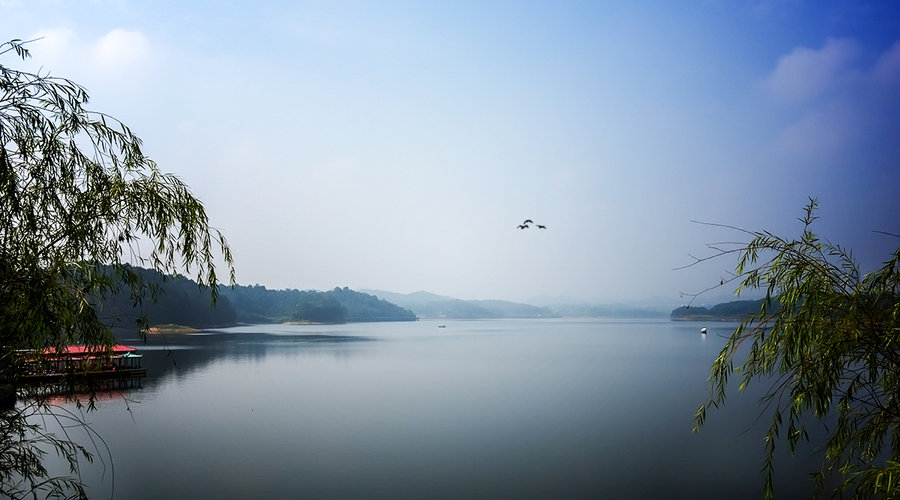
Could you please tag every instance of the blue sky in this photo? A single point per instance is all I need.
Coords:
(396, 145)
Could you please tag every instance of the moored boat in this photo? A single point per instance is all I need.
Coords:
(49, 365)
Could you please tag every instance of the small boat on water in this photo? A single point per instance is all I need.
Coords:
(703, 330)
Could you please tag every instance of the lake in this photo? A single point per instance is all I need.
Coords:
(550, 408)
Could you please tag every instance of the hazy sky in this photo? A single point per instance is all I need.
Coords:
(397, 145)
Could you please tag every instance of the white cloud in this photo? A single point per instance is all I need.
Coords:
(823, 133)
(839, 103)
(116, 55)
(887, 67)
(121, 51)
(52, 46)
(805, 74)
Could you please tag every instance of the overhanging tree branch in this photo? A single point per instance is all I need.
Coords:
(833, 346)
(76, 189)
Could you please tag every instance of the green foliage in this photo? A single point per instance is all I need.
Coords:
(827, 339)
(79, 199)
(77, 192)
(25, 444)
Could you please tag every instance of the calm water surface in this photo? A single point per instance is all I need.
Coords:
(554, 408)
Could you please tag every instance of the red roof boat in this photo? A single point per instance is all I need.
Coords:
(92, 361)
(87, 350)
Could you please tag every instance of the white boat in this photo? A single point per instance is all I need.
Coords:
(703, 330)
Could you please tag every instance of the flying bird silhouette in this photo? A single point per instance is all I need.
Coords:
(525, 225)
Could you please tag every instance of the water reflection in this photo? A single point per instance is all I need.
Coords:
(530, 409)
(180, 355)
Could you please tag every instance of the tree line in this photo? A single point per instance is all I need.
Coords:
(737, 310)
(179, 300)
(257, 304)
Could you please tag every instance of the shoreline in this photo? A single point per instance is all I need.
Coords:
(158, 329)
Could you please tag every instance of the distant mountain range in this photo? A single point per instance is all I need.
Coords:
(429, 305)
(181, 302)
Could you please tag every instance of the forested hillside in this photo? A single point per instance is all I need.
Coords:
(180, 301)
(737, 310)
(257, 304)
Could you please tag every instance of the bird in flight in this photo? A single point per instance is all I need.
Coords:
(525, 225)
